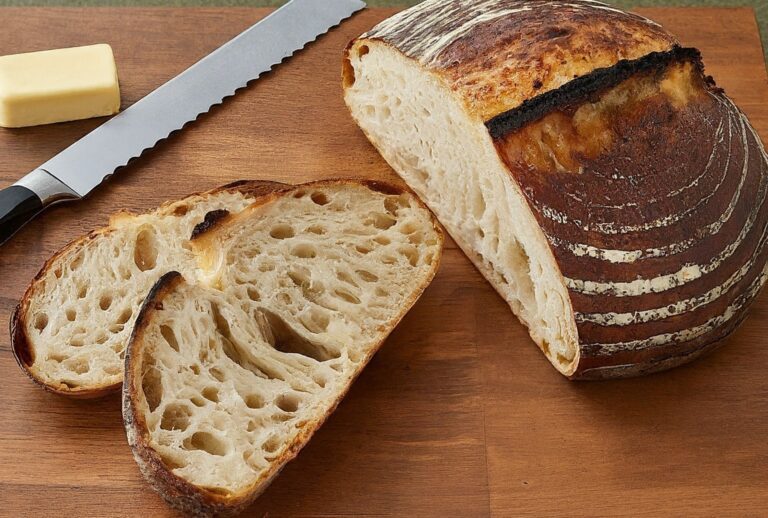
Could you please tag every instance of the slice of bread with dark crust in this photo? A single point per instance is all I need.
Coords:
(228, 377)
(53, 296)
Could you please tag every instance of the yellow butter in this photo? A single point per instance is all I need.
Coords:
(57, 86)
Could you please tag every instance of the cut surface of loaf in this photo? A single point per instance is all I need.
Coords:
(71, 326)
(603, 185)
(228, 378)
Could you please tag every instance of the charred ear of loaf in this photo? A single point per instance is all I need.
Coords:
(603, 185)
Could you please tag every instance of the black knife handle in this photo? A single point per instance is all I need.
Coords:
(18, 205)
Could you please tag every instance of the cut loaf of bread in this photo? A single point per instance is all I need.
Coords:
(608, 190)
(70, 329)
(227, 378)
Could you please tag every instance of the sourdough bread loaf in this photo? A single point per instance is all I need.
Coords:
(608, 190)
(70, 329)
(228, 376)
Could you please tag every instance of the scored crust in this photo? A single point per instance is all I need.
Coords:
(223, 234)
(23, 350)
(601, 182)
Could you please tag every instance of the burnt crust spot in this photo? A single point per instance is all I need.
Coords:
(585, 87)
(211, 220)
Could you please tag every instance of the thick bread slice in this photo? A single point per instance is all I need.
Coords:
(228, 379)
(605, 187)
(70, 329)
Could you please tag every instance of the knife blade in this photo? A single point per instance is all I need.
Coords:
(81, 167)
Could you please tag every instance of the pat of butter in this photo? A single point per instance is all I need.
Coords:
(57, 86)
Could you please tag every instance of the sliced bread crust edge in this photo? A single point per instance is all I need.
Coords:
(177, 492)
(21, 347)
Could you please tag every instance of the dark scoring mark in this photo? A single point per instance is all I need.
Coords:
(586, 87)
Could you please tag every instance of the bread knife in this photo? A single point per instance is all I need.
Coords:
(81, 167)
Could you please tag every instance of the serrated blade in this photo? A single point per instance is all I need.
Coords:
(86, 163)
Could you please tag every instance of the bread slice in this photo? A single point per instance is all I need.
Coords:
(228, 378)
(607, 189)
(70, 329)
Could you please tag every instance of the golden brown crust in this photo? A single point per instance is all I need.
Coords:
(20, 345)
(177, 492)
(495, 54)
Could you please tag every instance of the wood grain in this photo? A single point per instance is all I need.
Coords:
(459, 414)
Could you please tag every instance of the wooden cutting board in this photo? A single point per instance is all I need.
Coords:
(459, 414)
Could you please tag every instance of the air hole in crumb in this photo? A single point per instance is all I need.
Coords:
(151, 385)
(381, 292)
(251, 427)
(181, 210)
(299, 194)
(315, 321)
(197, 401)
(271, 444)
(170, 337)
(408, 228)
(112, 370)
(304, 251)
(41, 321)
(410, 253)
(206, 442)
(253, 294)
(345, 277)
(367, 276)
(346, 296)
(82, 292)
(211, 394)
(281, 418)
(145, 249)
(383, 221)
(80, 366)
(76, 262)
(282, 231)
(71, 314)
(319, 198)
(76, 341)
(175, 417)
(254, 401)
(266, 266)
(316, 229)
(363, 50)
(391, 205)
(285, 339)
(101, 339)
(172, 463)
(195, 369)
(125, 315)
(416, 238)
(321, 380)
(388, 259)
(382, 240)
(105, 301)
(363, 249)
(216, 374)
(288, 403)
(57, 272)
